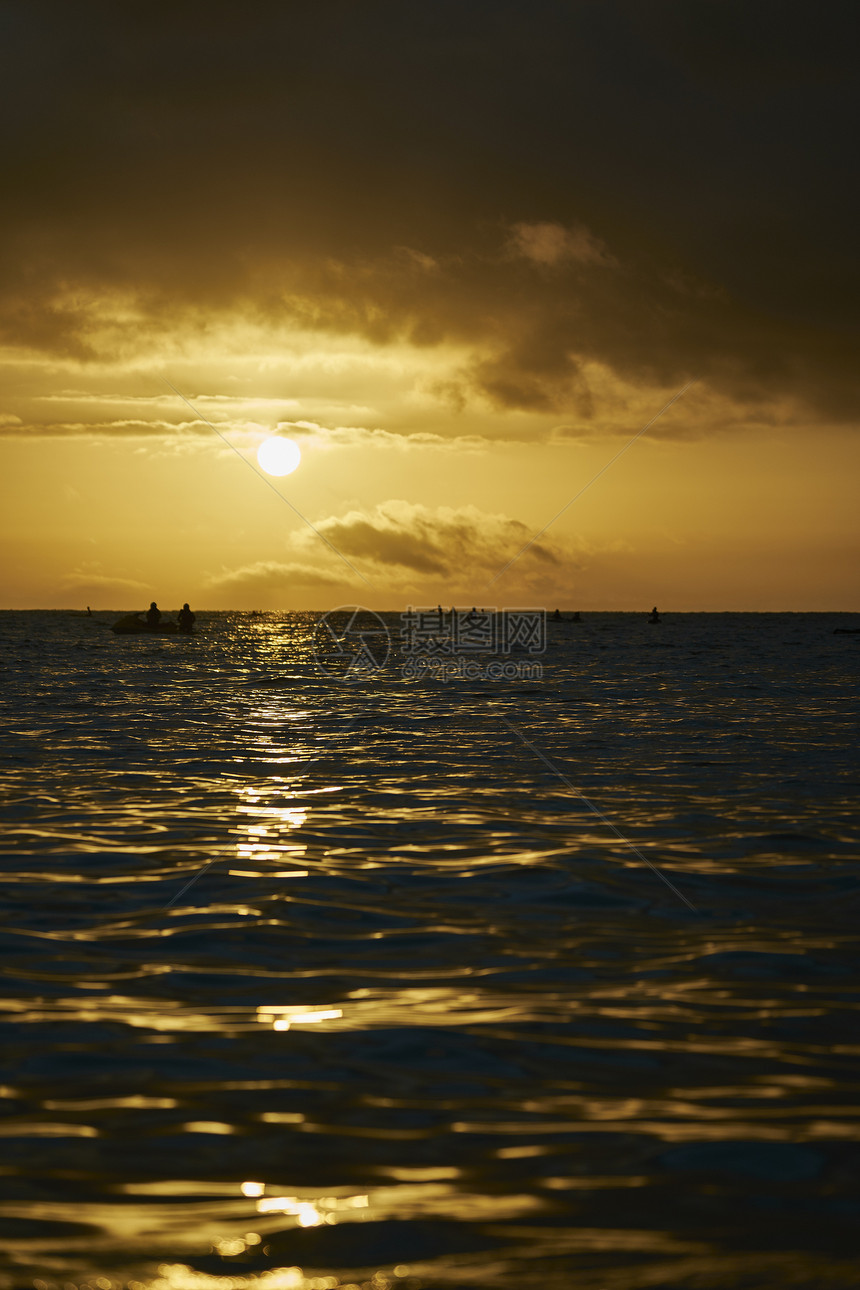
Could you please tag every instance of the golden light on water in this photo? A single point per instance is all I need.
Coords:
(281, 1018)
(263, 828)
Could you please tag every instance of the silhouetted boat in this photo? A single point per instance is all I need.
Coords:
(134, 625)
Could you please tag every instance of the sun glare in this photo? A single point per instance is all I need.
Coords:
(278, 456)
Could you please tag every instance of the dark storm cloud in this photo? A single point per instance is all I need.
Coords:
(666, 188)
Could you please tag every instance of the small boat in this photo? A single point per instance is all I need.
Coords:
(134, 625)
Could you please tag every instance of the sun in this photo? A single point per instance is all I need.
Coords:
(278, 456)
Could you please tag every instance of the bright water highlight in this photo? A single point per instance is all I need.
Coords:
(313, 986)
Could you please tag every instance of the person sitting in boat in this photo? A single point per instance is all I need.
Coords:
(153, 615)
(185, 618)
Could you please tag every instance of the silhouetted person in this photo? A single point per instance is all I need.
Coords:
(153, 615)
(576, 617)
(655, 617)
(185, 618)
(556, 617)
(89, 612)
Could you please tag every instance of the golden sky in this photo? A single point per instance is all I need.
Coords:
(461, 254)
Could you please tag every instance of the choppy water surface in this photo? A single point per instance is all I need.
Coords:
(423, 1019)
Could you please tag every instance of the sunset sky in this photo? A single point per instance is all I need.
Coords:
(461, 253)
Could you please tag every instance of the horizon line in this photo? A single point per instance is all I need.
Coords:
(77, 610)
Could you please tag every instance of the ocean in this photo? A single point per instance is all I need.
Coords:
(387, 977)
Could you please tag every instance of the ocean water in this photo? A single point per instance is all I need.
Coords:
(416, 983)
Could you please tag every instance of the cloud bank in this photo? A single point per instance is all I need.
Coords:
(659, 189)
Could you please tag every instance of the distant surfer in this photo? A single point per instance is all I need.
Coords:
(153, 615)
(185, 618)
(556, 618)
(655, 617)
(89, 612)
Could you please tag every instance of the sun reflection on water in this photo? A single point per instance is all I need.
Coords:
(507, 1060)
(264, 824)
(281, 1018)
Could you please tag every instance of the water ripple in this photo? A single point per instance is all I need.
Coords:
(307, 987)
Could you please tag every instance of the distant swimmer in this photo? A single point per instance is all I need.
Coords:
(655, 617)
(153, 615)
(185, 618)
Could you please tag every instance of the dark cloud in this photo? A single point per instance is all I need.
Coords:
(400, 545)
(665, 188)
(402, 536)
